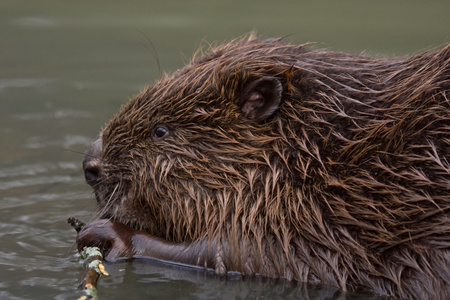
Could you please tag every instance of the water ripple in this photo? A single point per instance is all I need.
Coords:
(35, 22)
(68, 141)
(58, 114)
(22, 83)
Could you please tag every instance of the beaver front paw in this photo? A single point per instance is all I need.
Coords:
(113, 238)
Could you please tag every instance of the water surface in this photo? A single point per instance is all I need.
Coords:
(67, 66)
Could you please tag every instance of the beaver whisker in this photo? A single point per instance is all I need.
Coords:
(100, 183)
(73, 151)
(110, 201)
(153, 52)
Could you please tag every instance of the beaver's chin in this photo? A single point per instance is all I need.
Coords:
(124, 219)
(128, 218)
(122, 206)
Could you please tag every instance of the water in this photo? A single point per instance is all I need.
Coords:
(67, 66)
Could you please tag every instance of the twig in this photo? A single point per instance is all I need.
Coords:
(93, 259)
(75, 223)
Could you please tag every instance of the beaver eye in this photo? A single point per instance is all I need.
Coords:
(159, 132)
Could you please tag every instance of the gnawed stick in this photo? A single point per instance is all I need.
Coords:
(75, 223)
(93, 259)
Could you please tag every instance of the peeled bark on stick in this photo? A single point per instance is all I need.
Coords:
(94, 260)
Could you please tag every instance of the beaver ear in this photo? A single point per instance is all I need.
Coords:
(261, 98)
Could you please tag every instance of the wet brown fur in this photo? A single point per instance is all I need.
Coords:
(347, 183)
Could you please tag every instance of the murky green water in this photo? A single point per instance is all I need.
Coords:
(67, 66)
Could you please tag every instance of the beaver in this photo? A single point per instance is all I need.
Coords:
(285, 161)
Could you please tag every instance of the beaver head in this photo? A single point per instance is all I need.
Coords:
(302, 163)
(199, 146)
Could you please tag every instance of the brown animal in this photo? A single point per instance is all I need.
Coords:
(285, 161)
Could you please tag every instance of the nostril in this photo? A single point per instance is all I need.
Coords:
(91, 174)
(92, 163)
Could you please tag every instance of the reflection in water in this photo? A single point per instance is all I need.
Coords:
(158, 280)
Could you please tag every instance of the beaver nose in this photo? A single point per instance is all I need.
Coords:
(92, 164)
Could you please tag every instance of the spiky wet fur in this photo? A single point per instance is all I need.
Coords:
(346, 184)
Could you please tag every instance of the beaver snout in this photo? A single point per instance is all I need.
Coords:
(91, 163)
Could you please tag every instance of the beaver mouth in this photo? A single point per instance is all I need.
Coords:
(98, 198)
(113, 207)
